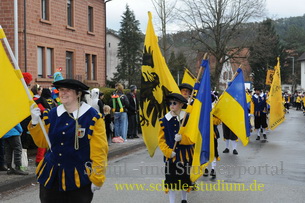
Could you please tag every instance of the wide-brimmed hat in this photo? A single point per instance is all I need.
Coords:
(185, 86)
(71, 84)
(176, 97)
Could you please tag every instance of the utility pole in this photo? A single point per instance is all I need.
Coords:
(293, 79)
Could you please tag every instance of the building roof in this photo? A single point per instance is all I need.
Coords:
(302, 57)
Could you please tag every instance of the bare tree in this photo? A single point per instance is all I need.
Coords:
(216, 26)
(165, 12)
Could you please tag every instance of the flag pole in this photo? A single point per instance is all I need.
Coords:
(192, 95)
(23, 82)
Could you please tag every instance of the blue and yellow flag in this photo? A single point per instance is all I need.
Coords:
(232, 108)
(199, 127)
(188, 77)
(156, 83)
(277, 110)
(14, 102)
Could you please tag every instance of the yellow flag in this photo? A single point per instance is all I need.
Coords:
(14, 102)
(269, 77)
(156, 83)
(188, 77)
(277, 110)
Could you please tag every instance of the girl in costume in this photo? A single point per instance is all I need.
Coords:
(75, 163)
(179, 160)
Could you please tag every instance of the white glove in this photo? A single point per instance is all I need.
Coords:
(35, 114)
(173, 154)
(94, 187)
(178, 137)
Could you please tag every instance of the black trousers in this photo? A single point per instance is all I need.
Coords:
(13, 145)
(227, 133)
(2, 160)
(52, 195)
(132, 125)
(260, 121)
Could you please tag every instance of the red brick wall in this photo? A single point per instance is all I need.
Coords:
(7, 19)
(56, 35)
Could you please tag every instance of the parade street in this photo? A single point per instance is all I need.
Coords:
(263, 171)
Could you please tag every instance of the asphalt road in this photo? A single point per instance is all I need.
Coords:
(263, 171)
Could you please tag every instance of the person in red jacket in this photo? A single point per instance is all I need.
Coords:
(42, 105)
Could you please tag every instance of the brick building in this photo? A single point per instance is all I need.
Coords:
(58, 33)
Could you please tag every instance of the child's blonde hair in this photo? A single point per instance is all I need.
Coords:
(107, 109)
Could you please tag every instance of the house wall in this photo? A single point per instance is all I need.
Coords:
(55, 34)
(112, 45)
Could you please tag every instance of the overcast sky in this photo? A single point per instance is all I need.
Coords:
(115, 8)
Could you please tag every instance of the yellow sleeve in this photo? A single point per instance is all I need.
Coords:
(38, 136)
(252, 107)
(216, 121)
(162, 144)
(98, 153)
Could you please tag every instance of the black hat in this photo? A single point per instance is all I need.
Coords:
(176, 97)
(185, 86)
(71, 84)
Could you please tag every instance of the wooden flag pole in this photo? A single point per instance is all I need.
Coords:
(24, 84)
(192, 96)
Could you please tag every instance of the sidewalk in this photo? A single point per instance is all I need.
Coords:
(9, 182)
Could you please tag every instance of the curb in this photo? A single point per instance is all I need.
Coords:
(31, 178)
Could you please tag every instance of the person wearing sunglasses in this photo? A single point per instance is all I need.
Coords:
(179, 160)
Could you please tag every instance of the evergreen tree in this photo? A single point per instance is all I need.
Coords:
(129, 51)
(177, 65)
(172, 65)
(264, 52)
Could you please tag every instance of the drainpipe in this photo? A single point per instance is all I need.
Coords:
(25, 44)
(105, 2)
(16, 28)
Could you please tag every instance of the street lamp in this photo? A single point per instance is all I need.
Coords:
(291, 57)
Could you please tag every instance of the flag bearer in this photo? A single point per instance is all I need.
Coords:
(179, 160)
(75, 165)
(260, 113)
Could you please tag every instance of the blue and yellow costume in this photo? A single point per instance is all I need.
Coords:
(63, 164)
(260, 110)
(177, 169)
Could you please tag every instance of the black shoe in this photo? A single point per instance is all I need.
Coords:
(3, 168)
(136, 136)
(213, 173)
(10, 171)
(226, 150)
(235, 151)
(18, 171)
(206, 172)
(265, 136)
(258, 138)
(183, 201)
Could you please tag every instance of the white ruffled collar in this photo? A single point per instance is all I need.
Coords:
(83, 109)
(169, 116)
